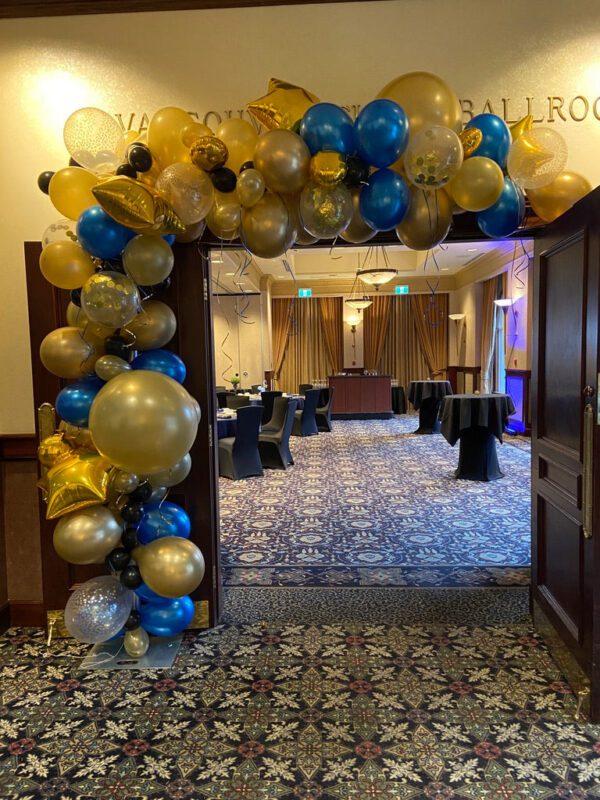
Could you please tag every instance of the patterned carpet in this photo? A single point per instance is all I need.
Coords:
(373, 505)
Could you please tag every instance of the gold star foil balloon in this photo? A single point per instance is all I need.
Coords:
(521, 127)
(137, 206)
(283, 105)
(76, 482)
(470, 139)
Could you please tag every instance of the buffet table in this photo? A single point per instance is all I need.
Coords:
(361, 396)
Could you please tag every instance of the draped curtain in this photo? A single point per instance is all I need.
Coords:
(377, 324)
(331, 310)
(402, 357)
(280, 325)
(491, 289)
(306, 356)
(430, 315)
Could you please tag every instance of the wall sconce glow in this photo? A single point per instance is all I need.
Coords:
(504, 302)
(304, 292)
(403, 289)
(56, 93)
(353, 319)
(456, 317)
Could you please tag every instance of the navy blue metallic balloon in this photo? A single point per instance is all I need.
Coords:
(169, 238)
(507, 213)
(384, 200)
(163, 519)
(100, 235)
(168, 619)
(381, 133)
(327, 127)
(146, 595)
(73, 403)
(161, 361)
(496, 140)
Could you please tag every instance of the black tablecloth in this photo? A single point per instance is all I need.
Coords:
(462, 411)
(423, 390)
(398, 400)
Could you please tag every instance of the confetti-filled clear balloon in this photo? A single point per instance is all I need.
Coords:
(325, 211)
(93, 138)
(189, 191)
(433, 157)
(537, 157)
(98, 609)
(63, 230)
(111, 299)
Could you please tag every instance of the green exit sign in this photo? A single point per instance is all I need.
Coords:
(401, 289)
(304, 292)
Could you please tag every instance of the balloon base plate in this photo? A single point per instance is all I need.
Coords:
(111, 655)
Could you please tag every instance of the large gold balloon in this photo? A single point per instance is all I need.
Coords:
(70, 190)
(52, 449)
(326, 211)
(110, 299)
(87, 536)
(250, 187)
(358, 231)
(77, 437)
(137, 206)
(208, 152)
(165, 136)
(240, 138)
(66, 265)
(477, 185)
(143, 421)
(327, 169)
(148, 259)
(266, 229)
(136, 643)
(283, 105)
(536, 158)
(76, 482)
(171, 566)
(283, 159)
(433, 157)
(153, 327)
(426, 99)
(225, 216)
(521, 127)
(188, 190)
(427, 220)
(93, 138)
(551, 201)
(193, 132)
(108, 367)
(64, 352)
(173, 475)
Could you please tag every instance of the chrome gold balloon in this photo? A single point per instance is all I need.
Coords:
(327, 169)
(208, 152)
(52, 449)
(171, 566)
(87, 536)
(427, 220)
(470, 138)
(136, 643)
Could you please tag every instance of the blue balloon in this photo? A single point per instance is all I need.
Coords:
(384, 200)
(161, 361)
(381, 133)
(327, 127)
(146, 595)
(73, 403)
(100, 235)
(169, 238)
(163, 519)
(507, 213)
(167, 619)
(496, 137)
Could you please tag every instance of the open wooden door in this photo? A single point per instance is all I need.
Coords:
(566, 446)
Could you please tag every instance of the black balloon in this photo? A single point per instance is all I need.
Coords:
(44, 179)
(129, 539)
(142, 493)
(76, 297)
(296, 126)
(139, 157)
(223, 179)
(133, 620)
(357, 171)
(126, 169)
(73, 163)
(132, 512)
(118, 559)
(117, 346)
(158, 287)
(246, 165)
(130, 577)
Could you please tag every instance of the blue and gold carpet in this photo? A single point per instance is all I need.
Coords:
(370, 504)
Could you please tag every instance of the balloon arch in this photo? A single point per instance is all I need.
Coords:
(127, 423)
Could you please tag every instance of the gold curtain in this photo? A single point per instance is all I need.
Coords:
(376, 329)
(280, 325)
(402, 357)
(430, 315)
(305, 359)
(332, 320)
(488, 329)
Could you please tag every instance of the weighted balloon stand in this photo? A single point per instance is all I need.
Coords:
(112, 656)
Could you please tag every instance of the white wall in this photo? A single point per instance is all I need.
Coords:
(464, 336)
(239, 338)
(518, 323)
(221, 59)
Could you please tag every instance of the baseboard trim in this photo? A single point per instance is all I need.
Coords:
(363, 415)
(27, 615)
(18, 447)
(4, 616)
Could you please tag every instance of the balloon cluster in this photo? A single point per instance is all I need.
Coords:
(127, 423)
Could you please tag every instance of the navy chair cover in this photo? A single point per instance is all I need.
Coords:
(238, 455)
(305, 422)
(323, 413)
(267, 399)
(274, 445)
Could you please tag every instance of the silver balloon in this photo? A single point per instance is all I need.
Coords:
(98, 609)
(136, 643)
(173, 475)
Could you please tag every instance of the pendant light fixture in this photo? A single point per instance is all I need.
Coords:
(375, 275)
(358, 300)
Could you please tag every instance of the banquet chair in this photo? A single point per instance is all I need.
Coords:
(222, 396)
(268, 399)
(323, 413)
(305, 422)
(304, 387)
(274, 445)
(237, 401)
(238, 455)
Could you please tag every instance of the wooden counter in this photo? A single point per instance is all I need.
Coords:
(361, 396)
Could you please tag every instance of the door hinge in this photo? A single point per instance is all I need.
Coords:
(214, 571)
(587, 483)
(205, 284)
(210, 434)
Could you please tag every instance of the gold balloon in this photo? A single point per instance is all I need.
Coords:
(170, 566)
(66, 265)
(174, 474)
(70, 191)
(52, 449)
(327, 169)
(165, 136)
(194, 131)
(122, 482)
(108, 367)
(91, 331)
(225, 216)
(470, 138)
(188, 190)
(208, 152)
(87, 536)
(521, 127)
(537, 158)
(477, 185)
(358, 231)
(77, 437)
(266, 229)
(137, 206)
(110, 299)
(143, 422)
(192, 232)
(283, 159)
(426, 99)
(250, 187)
(283, 105)
(326, 211)
(153, 327)
(427, 220)
(148, 259)
(136, 643)
(433, 157)
(76, 482)
(240, 138)
(64, 352)
(551, 201)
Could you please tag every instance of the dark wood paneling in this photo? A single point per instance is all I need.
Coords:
(18, 447)
(360, 394)
(4, 616)
(457, 376)
(28, 615)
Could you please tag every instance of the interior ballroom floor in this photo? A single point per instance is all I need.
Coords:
(370, 504)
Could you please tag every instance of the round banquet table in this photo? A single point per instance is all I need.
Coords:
(477, 420)
(426, 397)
